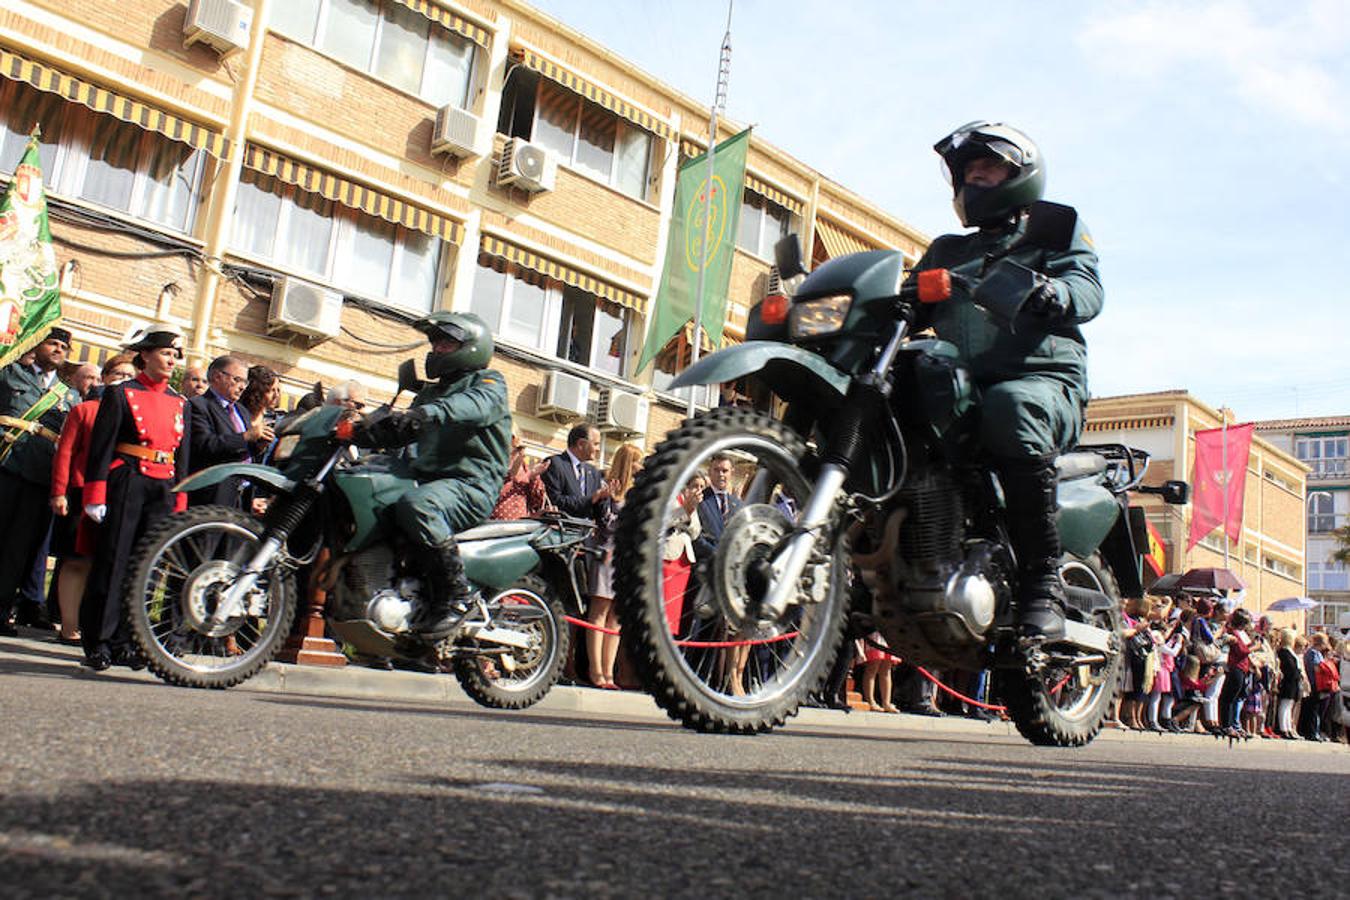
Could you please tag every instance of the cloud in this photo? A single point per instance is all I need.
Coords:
(1290, 63)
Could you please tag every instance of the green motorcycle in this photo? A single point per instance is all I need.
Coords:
(212, 592)
(867, 501)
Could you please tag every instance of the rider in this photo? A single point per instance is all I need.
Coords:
(461, 423)
(1033, 381)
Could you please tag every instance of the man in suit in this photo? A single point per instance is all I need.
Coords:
(220, 429)
(719, 504)
(573, 485)
(33, 407)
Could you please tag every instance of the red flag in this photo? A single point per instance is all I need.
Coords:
(1212, 478)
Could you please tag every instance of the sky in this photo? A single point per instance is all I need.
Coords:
(1205, 144)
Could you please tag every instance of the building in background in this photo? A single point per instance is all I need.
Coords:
(295, 180)
(1271, 557)
(1324, 445)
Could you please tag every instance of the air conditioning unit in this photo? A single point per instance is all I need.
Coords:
(563, 395)
(222, 25)
(304, 308)
(526, 166)
(455, 131)
(622, 411)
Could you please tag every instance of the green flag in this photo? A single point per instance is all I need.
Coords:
(678, 294)
(30, 294)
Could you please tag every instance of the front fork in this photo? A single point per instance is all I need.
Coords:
(279, 527)
(846, 441)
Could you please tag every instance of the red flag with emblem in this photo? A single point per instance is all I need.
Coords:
(1220, 471)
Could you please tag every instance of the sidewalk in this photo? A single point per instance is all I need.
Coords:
(358, 682)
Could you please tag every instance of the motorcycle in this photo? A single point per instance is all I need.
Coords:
(867, 502)
(212, 592)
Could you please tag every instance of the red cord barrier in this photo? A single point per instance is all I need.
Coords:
(582, 623)
(957, 694)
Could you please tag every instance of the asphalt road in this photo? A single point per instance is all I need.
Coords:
(115, 786)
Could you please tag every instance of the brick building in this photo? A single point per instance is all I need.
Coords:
(1270, 558)
(1323, 443)
(299, 186)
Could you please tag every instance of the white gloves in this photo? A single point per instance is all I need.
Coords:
(96, 511)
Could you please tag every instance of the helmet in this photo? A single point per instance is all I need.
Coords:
(473, 334)
(980, 206)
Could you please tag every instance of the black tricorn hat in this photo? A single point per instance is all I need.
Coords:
(156, 337)
(58, 334)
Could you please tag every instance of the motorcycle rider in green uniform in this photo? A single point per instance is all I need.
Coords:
(461, 425)
(1031, 372)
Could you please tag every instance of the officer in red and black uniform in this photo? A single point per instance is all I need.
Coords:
(138, 448)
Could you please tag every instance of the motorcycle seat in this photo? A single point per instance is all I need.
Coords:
(1079, 465)
(497, 530)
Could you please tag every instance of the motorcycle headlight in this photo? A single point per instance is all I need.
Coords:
(285, 447)
(814, 318)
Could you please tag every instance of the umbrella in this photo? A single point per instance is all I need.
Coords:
(1292, 604)
(1166, 585)
(1210, 579)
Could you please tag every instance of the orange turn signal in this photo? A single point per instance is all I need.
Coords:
(774, 309)
(345, 429)
(935, 285)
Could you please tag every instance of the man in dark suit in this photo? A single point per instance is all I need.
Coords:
(220, 429)
(573, 485)
(719, 504)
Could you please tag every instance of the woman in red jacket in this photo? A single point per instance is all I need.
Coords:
(72, 532)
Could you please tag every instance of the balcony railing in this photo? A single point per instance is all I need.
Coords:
(1328, 468)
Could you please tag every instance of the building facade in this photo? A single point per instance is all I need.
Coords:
(1271, 557)
(1324, 446)
(297, 183)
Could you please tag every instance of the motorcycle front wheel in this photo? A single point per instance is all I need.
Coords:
(178, 573)
(703, 646)
(519, 677)
(1063, 706)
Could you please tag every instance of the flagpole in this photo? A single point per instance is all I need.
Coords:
(1227, 476)
(719, 101)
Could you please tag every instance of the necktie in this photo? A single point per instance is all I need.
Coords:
(722, 504)
(581, 476)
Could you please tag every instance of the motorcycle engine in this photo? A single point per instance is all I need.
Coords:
(936, 590)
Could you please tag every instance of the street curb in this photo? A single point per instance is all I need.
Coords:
(360, 683)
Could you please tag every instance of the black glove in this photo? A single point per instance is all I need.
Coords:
(392, 430)
(1045, 300)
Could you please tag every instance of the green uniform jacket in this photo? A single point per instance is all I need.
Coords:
(994, 354)
(31, 458)
(468, 432)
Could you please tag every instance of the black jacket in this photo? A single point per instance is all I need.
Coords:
(566, 493)
(214, 441)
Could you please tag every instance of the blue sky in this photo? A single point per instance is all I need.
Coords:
(1204, 143)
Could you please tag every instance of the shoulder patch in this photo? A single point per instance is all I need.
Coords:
(1087, 239)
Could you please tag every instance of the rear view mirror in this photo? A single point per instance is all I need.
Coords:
(407, 376)
(1050, 226)
(787, 256)
(1177, 493)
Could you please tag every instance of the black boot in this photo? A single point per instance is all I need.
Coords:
(1030, 488)
(449, 598)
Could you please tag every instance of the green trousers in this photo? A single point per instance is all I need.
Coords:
(432, 513)
(1029, 417)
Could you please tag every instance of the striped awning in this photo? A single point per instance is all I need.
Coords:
(1128, 424)
(839, 242)
(53, 81)
(552, 269)
(593, 92)
(442, 16)
(86, 352)
(353, 195)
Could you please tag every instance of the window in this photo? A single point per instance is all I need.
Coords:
(1328, 576)
(583, 135)
(1280, 567)
(674, 358)
(385, 39)
(763, 224)
(358, 254)
(559, 320)
(102, 159)
(1321, 512)
(1328, 455)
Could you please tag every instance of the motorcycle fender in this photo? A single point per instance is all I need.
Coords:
(497, 563)
(1087, 512)
(250, 471)
(793, 373)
